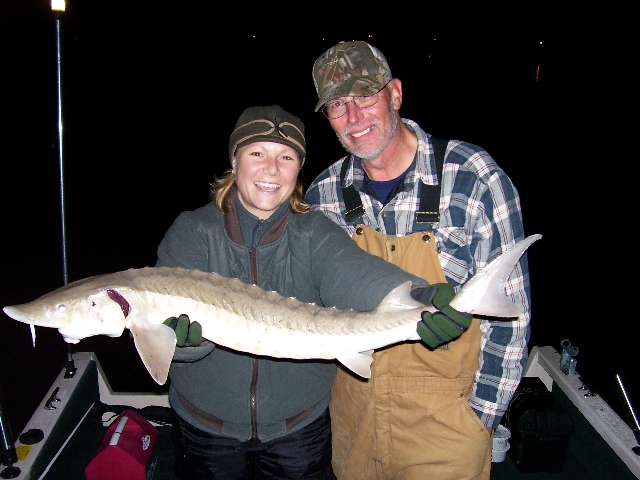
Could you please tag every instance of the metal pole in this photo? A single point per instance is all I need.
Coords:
(58, 6)
(60, 152)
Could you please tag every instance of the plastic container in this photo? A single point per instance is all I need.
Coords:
(498, 456)
(501, 437)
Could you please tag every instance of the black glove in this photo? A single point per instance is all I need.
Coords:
(445, 324)
(187, 334)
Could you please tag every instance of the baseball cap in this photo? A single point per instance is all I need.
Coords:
(350, 69)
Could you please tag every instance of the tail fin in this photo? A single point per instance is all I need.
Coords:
(485, 293)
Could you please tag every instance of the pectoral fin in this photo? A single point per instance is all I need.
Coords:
(358, 363)
(156, 344)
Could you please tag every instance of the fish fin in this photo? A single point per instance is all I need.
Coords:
(156, 344)
(485, 293)
(398, 298)
(498, 307)
(358, 363)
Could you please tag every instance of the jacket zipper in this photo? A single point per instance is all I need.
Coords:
(254, 377)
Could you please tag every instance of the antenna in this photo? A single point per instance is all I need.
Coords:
(58, 6)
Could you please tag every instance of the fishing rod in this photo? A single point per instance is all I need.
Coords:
(8, 456)
(630, 412)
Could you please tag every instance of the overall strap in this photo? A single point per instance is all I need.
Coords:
(352, 201)
(428, 211)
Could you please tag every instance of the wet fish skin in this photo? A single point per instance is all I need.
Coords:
(246, 318)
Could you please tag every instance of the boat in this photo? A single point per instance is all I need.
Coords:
(66, 432)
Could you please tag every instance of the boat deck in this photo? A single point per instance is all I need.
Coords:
(74, 429)
(589, 458)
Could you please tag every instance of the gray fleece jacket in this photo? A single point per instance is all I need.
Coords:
(305, 256)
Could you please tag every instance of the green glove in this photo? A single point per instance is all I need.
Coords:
(445, 324)
(187, 334)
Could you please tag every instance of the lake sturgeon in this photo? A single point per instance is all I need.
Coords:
(246, 318)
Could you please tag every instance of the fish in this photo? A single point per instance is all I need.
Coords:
(246, 318)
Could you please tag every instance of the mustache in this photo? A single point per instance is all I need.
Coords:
(359, 127)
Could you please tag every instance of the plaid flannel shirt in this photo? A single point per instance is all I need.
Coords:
(480, 217)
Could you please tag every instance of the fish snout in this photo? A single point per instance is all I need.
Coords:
(17, 313)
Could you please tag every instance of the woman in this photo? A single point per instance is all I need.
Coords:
(240, 416)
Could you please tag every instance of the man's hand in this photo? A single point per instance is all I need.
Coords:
(445, 324)
(187, 334)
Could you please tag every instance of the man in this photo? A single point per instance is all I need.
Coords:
(426, 413)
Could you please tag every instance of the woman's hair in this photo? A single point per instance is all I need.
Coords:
(223, 186)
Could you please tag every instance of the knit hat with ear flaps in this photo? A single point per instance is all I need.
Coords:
(268, 124)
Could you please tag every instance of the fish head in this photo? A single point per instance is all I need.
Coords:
(75, 315)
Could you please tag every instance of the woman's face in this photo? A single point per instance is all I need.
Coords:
(266, 174)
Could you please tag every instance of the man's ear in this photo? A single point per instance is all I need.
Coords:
(396, 93)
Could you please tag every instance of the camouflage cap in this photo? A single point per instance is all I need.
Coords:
(268, 124)
(349, 68)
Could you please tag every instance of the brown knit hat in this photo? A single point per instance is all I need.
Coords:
(349, 68)
(268, 124)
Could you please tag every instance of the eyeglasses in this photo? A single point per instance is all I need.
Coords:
(337, 108)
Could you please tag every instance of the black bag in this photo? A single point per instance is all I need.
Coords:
(540, 428)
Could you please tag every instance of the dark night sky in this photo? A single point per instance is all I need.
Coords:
(151, 91)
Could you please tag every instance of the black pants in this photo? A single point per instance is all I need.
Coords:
(304, 454)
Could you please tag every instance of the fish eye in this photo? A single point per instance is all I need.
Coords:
(61, 308)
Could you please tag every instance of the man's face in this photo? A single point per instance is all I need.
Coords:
(366, 132)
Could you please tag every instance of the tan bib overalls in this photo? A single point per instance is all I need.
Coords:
(411, 419)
